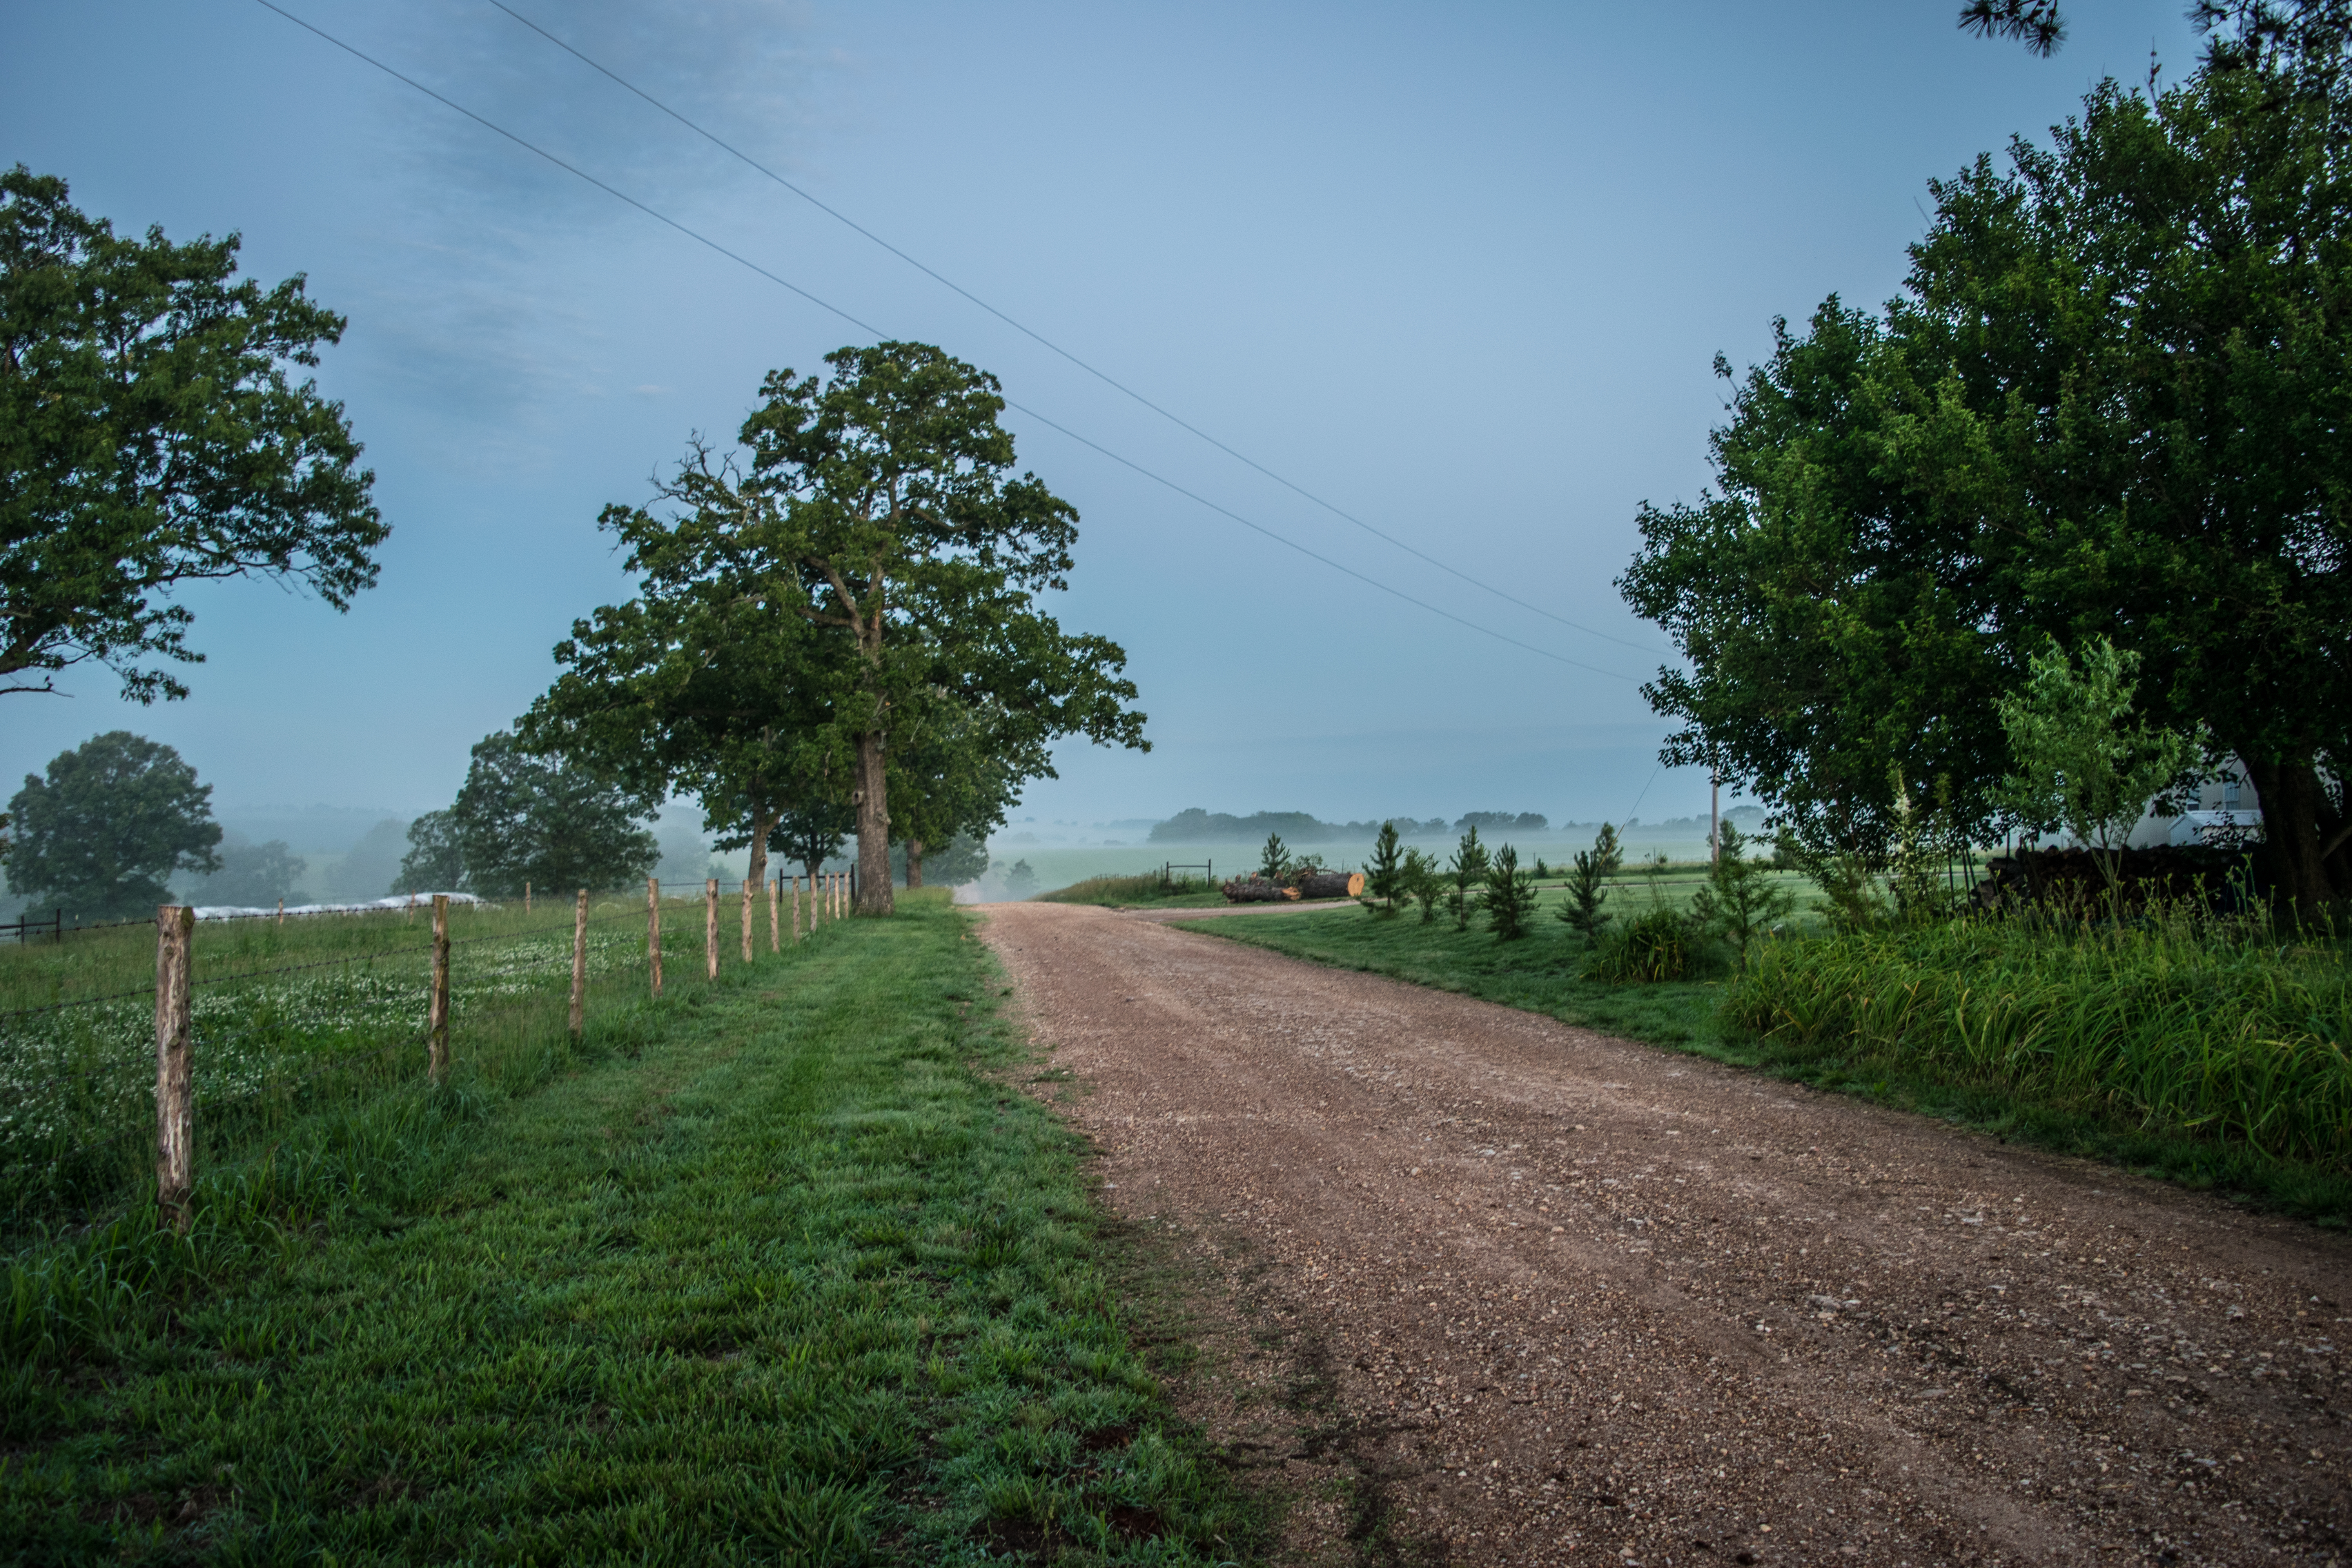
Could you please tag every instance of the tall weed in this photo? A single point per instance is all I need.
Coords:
(2227, 1031)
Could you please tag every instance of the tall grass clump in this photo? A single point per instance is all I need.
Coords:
(2231, 1031)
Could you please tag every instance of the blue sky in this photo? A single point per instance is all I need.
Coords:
(1461, 271)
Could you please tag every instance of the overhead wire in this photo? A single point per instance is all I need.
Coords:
(1039, 338)
(746, 262)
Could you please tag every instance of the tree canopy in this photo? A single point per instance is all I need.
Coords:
(519, 818)
(2107, 403)
(102, 832)
(710, 682)
(921, 557)
(150, 435)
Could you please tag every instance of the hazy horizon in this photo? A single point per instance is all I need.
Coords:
(1461, 273)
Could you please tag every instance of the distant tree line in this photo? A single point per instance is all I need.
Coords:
(1196, 826)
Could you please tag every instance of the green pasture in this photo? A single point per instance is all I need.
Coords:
(287, 1019)
(786, 1268)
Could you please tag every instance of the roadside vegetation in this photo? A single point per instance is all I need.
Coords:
(779, 1269)
(1149, 889)
(2207, 1049)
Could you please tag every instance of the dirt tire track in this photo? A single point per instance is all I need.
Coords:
(1564, 1298)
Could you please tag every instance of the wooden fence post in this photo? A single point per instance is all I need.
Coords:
(748, 886)
(436, 1012)
(796, 912)
(281, 911)
(775, 915)
(526, 897)
(652, 931)
(580, 963)
(711, 926)
(175, 1111)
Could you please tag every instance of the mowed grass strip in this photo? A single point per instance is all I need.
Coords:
(797, 1281)
(2181, 1069)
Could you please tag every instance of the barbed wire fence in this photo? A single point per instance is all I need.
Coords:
(52, 1150)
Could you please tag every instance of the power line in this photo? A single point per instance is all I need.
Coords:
(744, 261)
(944, 281)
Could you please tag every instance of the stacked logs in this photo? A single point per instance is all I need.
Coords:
(1311, 883)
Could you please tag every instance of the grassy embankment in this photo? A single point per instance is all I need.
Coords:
(776, 1270)
(2210, 1057)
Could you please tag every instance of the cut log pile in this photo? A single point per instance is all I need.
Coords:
(1312, 883)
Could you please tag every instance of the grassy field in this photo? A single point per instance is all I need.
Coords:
(1139, 892)
(288, 1019)
(2217, 1062)
(780, 1270)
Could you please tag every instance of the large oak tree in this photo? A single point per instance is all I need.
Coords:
(151, 435)
(896, 513)
(711, 681)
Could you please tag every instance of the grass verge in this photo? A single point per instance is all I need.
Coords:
(1144, 891)
(784, 1273)
(1868, 1032)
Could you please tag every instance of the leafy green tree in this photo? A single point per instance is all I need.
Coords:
(252, 876)
(954, 862)
(955, 770)
(1423, 880)
(1587, 885)
(1274, 860)
(100, 835)
(1020, 881)
(885, 494)
(435, 863)
(709, 682)
(1509, 899)
(151, 435)
(555, 823)
(1466, 870)
(1384, 876)
(811, 834)
(2107, 403)
(1741, 899)
(2080, 767)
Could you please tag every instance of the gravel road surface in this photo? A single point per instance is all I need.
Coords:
(1507, 1291)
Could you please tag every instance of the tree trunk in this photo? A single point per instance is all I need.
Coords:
(914, 862)
(872, 798)
(2294, 805)
(763, 822)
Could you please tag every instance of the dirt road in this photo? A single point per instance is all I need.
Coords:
(1556, 1298)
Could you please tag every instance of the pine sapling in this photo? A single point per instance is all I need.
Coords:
(1424, 882)
(1510, 895)
(1275, 858)
(1466, 870)
(1587, 885)
(1385, 875)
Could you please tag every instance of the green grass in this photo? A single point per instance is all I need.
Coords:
(2217, 1066)
(1147, 890)
(1537, 972)
(780, 1269)
(287, 1020)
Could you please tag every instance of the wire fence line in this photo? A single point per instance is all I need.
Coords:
(267, 1035)
(420, 949)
